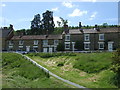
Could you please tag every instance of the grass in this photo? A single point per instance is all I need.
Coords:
(91, 70)
(18, 72)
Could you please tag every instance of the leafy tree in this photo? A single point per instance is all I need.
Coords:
(35, 23)
(64, 22)
(47, 22)
(36, 26)
(116, 66)
(105, 25)
(60, 47)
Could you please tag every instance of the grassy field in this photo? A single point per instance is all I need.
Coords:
(17, 72)
(91, 70)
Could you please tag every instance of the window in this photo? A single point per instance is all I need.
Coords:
(10, 42)
(56, 42)
(101, 45)
(67, 37)
(86, 37)
(21, 42)
(35, 42)
(45, 42)
(101, 36)
(86, 45)
(67, 45)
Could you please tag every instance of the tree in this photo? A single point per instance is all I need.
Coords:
(60, 47)
(36, 27)
(105, 25)
(64, 22)
(116, 66)
(47, 22)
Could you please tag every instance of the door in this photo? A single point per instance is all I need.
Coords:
(27, 48)
(50, 49)
(110, 46)
(44, 50)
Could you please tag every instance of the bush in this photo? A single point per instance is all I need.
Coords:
(116, 66)
(48, 55)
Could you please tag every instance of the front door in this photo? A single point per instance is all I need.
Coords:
(44, 50)
(27, 48)
(110, 46)
(50, 49)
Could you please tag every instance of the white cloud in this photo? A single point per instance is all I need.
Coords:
(2, 5)
(93, 15)
(77, 12)
(68, 4)
(55, 18)
(55, 9)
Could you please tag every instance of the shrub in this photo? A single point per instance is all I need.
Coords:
(116, 66)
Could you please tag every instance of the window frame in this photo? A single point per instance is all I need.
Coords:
(67, 43)
(21, 42)
(87, 43)
(45, 42)
(101, 43)
(36, 42)
(55, 42)
(101, 35)
(88, 35)
(66, 37)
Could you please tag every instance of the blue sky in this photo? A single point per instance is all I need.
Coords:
(89, 13)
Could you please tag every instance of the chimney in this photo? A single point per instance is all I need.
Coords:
(66, 29)
(80, 27)
(5, 28)
(97, 27)
(11, 27)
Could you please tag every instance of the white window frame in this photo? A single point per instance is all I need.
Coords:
(86, 43)
(67, 43)
(66, 37)
(45, 42)
(35, 42)
(10, 42)
(101, 35)
(56, 42)
(85, 37)
(100, 45)
(21, 42)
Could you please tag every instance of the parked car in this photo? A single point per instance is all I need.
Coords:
(22, 52)
(32, 51)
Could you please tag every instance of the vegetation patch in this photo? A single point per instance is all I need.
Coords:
(94, 62)
(18, 72)
(100, 77)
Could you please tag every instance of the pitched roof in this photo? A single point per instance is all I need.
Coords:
(5, 32)
(27, 37)
(102, 30)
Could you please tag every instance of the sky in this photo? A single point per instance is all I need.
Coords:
(19, 14)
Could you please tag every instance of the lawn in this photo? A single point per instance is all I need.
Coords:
(18, 72)
(91, 70)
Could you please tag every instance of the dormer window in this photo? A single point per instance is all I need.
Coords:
(67, 37)
(21, 42)
(101, 36)
(35, 42)
(86, 37)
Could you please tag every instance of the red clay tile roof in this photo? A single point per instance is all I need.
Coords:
(26, 37)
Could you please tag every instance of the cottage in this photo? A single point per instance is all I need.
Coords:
(90, 40)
